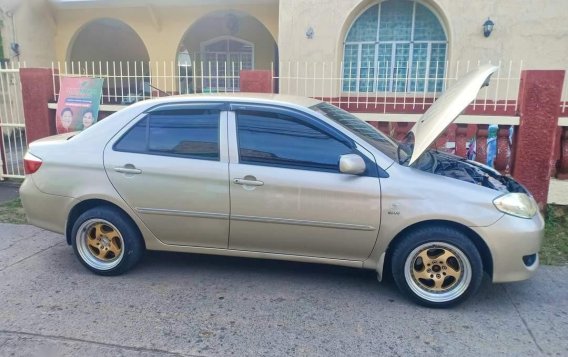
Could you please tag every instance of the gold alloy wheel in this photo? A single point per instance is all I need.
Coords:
(437, 269)
(100, 244)
(438, 272)
(103, 241)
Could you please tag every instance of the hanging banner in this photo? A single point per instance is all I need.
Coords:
(78, 103)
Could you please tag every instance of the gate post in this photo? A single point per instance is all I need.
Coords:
(257, 81)
(539, 108)
(37, 92)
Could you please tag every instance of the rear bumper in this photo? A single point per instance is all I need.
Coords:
(510, 240)
(44, 210)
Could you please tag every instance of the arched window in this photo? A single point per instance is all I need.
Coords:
(224, 57)
(395, 46)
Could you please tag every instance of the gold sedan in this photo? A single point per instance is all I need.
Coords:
(282, 177)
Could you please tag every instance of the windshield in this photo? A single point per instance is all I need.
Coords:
(364, 130)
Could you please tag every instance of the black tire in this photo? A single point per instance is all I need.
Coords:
(455, 269)
(106, 241)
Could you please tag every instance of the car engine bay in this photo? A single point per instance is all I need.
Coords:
(448, 165)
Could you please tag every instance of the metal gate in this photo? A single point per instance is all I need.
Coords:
(12, 125)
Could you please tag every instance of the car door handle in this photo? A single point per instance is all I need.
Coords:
(128, 169)
(244, 182)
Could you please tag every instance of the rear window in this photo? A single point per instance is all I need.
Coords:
(182, 133)
(135, 138)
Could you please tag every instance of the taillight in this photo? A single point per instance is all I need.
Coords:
(31, 163)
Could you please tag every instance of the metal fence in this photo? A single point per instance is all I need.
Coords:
(129, 81)
(126, 82)
(12, 124)
(409, 89)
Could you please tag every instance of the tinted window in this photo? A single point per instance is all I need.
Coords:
(193, 134)
(185, 133)
(135, 139)
(279, 140)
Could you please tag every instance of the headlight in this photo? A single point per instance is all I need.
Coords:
(516, 204)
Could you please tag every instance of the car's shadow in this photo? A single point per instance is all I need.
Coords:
(294, 274)
(187, 269)
(225, 264)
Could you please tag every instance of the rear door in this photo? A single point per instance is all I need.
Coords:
(171, 168)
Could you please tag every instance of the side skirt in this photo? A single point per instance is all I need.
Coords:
(257, 255)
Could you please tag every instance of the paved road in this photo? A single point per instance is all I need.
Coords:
(176, 304)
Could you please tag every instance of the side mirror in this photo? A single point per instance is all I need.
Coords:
(352, 164)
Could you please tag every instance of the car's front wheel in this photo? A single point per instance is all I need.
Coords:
(437, 266)
(106, 241)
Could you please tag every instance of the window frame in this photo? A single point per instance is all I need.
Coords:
(219, 107)
(307, 120)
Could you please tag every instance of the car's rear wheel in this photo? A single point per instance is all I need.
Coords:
(437, 266)
(106, 241)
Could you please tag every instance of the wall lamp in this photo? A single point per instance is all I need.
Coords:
(488, 27)
(310, 33)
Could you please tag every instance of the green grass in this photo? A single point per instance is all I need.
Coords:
(554, 250)
(12, 212)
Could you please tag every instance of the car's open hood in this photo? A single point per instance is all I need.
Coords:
(447, 108)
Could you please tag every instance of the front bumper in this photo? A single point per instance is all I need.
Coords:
(509, 240)
(44, 210)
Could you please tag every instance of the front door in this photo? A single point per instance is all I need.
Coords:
(171, 168)
(287, 194)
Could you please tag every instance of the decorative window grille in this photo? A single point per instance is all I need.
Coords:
(223, 59)
(395, 46)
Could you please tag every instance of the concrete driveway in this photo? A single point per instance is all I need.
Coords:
(176, 304)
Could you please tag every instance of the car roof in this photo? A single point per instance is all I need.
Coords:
(257, 98)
